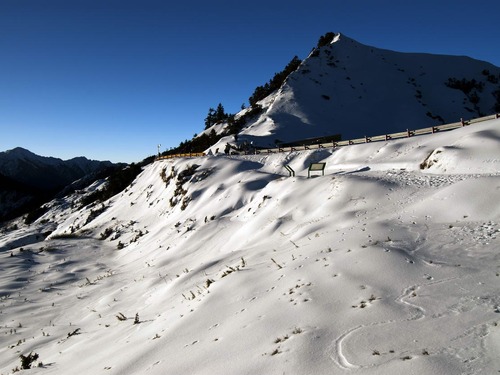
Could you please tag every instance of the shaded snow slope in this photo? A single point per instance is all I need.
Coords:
(227, 265)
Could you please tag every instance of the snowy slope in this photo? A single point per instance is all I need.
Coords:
(227, 265)
(357, 90)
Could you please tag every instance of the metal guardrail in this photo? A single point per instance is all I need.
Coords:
(184, 155)
(386, 137)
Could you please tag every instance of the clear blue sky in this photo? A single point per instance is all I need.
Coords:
(112, 79)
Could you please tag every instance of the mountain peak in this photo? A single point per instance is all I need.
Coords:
(20, 152)
(45, 172)
(356, 90)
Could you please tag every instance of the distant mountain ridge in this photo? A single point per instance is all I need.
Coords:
(345, 87)
(43, 172)
(27, 179)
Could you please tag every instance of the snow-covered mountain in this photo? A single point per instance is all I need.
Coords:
(347, 88)
(27, 179)
(43, 172)
(387, 264)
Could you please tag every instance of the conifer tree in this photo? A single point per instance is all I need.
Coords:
(215, 116)
(210, 119)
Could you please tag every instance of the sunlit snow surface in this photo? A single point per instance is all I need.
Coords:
(377, 267)
(356, 90)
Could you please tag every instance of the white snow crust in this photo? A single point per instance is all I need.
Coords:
(375, 267)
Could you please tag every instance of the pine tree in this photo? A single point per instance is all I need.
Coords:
(325, 39)
(220, 115)
(275, 83)
(210, 119)
(215, 116)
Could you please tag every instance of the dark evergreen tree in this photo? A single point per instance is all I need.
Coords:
(326, 39)
(215, 116)
(210, 119)
(220, 115)
(275, 83)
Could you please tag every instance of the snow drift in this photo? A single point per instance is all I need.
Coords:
(227, 265)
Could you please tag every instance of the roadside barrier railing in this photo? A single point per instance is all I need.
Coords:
(378, 138)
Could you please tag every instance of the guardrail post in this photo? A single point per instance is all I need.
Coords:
(434, 130)
(387, 137)
(497, 115)
(462, 121)
(367, 140)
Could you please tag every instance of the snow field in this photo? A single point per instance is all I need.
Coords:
(378, 267)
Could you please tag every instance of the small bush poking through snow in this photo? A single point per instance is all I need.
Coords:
(27, 360)
(107, 232)
(121, 317)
